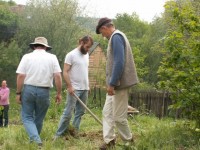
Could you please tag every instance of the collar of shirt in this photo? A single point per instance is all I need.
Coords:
(39, 50)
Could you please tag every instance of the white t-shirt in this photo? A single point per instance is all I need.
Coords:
(79, 69)
(39, 67)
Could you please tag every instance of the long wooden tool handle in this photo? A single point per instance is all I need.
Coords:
(95, 117)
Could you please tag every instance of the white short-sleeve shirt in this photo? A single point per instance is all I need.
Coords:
(39, 67)
(78, 72)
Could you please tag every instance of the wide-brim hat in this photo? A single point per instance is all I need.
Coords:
(102, 22)
(42, 41)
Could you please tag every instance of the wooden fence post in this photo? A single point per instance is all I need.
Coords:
(152, 101)
(100, 96)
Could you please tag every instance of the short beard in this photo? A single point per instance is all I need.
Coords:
(83, 50)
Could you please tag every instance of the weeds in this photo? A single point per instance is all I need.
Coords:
(150, 133)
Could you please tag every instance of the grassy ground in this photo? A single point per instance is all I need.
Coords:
(150, 133)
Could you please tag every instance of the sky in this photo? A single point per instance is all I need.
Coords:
(145, 9)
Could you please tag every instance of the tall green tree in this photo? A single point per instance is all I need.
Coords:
(57, 20)
(8, 22)
(180, 69)
(9, 60)
(153, 48)
(8, 47)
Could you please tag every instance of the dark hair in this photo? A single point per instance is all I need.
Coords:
(86, 39)
(39, 45)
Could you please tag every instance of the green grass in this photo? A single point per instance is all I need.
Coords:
(150, 133)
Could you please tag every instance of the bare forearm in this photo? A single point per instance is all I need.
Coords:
(20, 82)
(58, 82)
(67, 79)
(66, 70)
(70, 89)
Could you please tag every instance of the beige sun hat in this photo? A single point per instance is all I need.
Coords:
(42, 41)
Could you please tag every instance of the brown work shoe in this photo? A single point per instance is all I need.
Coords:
(74, 133)
(132, 140)
(110, 145)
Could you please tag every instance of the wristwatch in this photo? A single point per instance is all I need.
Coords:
(18, 93)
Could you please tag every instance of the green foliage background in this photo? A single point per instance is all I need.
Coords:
(180, 67)
(166, 51)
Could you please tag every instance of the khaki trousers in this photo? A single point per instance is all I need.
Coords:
(115, 115)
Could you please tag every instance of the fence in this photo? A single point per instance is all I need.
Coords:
(151, 102)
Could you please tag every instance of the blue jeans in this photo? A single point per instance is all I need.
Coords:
(72, 104)
(35, 103)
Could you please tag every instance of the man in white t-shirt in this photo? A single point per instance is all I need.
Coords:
(36, 72)
(75, 74)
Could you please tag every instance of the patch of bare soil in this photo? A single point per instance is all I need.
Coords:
(92, 135)
(95, 137)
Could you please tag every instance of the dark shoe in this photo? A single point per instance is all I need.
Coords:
(132, 140)
(110, 145)
(74, 133)
(39, 145)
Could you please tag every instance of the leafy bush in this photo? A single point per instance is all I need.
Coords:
(180, 69)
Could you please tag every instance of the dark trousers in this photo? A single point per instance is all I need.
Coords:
(4, 115)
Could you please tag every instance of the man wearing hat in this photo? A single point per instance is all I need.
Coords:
(120, 76)
(36, 72)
